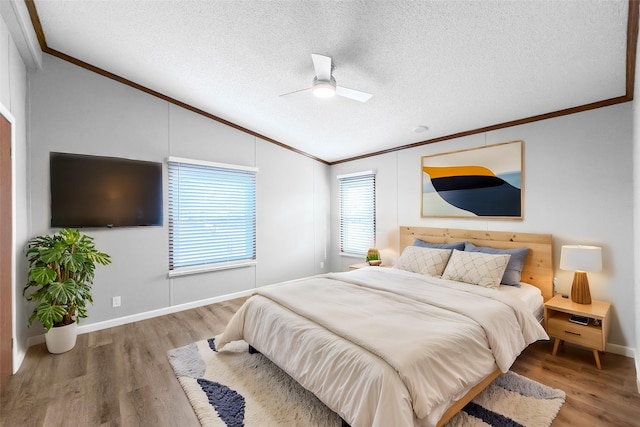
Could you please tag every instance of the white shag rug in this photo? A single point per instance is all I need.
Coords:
(233, 388)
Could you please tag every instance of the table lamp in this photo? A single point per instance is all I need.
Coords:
(581, 259)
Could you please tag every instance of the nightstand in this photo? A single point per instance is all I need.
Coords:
(362, 265)
(557, 312)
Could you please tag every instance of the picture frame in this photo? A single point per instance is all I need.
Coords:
(484, 182)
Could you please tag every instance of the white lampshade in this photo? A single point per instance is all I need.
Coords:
(581, 258)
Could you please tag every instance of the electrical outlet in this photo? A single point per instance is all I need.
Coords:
(116, 301)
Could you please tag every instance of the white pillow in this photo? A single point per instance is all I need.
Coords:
(427, 261)
(476, 268)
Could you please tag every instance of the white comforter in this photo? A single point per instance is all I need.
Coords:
(384, 347)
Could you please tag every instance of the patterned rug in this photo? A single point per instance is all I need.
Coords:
(233, 388)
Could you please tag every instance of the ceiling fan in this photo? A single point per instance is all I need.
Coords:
(324, 85)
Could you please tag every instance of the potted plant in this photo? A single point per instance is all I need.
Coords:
(61, 272)
(373, 257)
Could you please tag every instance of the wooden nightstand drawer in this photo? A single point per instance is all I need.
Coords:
(588, 336)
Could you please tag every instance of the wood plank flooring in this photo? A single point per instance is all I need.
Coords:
(121, 377)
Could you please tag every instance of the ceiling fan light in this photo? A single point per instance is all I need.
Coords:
(324, 89)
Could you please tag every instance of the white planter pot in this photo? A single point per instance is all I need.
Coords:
(62, 338)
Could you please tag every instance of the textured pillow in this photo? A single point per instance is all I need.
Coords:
(476, 268)
(427, 261)
(513, 271)
(457, 245)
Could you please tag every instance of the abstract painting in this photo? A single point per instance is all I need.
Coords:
(484, 182)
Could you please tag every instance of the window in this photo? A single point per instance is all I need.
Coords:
(357, 212)
(212, 215)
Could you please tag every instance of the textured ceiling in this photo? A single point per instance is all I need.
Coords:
(452, 66)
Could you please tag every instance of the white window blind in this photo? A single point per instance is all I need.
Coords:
(357, 212)
(212, 214)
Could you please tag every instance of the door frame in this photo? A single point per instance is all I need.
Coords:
(14, 351)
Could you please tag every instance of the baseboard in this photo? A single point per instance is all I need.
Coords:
(83, 329)
(637, 374)
(35, 340)
(628, 352)
(621, 350)
(613, 348)
(17, 361)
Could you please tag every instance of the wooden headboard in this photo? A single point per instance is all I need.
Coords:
(538, 266)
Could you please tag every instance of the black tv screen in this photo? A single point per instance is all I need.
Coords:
(95, 191)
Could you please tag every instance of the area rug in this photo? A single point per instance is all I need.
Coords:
(233, 388)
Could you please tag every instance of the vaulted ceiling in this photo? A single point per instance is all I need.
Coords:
(454, 67)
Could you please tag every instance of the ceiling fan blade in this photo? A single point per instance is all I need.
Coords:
(353, 94)
(322, 65)
(296, 91)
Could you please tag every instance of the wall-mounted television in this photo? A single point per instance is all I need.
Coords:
(96, 191)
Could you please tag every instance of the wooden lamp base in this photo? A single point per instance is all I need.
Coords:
(580, 288)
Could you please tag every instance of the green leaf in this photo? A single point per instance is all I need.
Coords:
(62, 293)
(50, 255)
(32, 251)
(50, 314)
(70, 235)
(99, 257)
(38, 295)
(82, 313)
(32, 317)
(42, 275)
(73, 261)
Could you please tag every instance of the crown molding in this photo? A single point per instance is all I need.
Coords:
(17, 17)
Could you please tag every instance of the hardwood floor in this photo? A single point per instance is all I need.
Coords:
(121, 377)
(595, 397)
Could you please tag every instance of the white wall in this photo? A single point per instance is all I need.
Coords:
(74, 110)
(13, 97)
(293, 195)
(578, 186)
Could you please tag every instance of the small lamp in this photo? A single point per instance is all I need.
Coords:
(581, 259)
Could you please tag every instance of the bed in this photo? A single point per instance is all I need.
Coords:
(392, 346)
